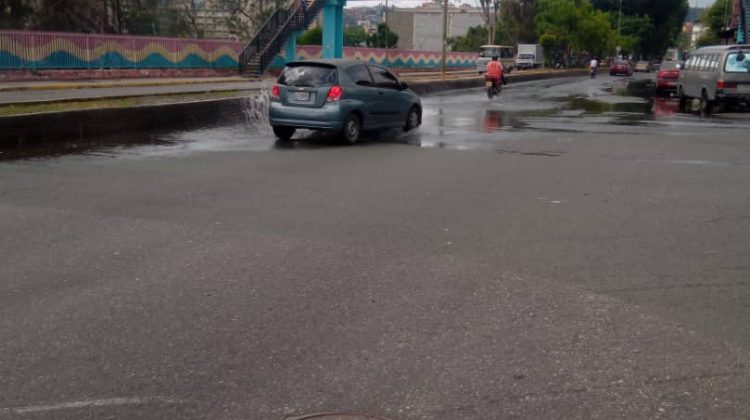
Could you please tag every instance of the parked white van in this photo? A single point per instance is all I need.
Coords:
(717, 75)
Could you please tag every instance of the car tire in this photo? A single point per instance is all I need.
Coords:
(706, 105)
(682, 100)
(283, 133)
(413, 119)
(352, 129)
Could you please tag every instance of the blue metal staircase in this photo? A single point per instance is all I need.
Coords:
(744, 21)
(273, 34)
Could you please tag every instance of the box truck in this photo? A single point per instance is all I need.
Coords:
(530, 56)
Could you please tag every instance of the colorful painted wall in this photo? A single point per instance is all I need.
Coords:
(22, 50)
(390, 58)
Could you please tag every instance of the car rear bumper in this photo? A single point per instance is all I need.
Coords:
(328, 117)
(733, 97)
(662, 84)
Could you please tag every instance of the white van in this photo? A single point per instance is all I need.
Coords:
(717, 75)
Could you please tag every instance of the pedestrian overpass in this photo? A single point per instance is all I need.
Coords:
(281, 29)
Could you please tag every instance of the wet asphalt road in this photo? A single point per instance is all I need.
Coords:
(564, 252)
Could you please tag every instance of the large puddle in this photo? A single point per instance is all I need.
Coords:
(455, 120)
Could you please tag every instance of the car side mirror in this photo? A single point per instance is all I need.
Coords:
(365, 83)
(403, 86)
(740, 57)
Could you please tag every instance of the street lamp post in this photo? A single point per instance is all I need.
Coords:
(445, 38)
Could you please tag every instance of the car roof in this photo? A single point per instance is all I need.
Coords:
(722, 48)
(333, 62)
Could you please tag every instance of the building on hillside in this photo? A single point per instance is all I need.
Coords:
(368, 26)
(421, 28)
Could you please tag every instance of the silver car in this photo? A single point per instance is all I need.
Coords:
(344, 96)
(717, 75)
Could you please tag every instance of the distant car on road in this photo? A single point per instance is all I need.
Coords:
(656, 65)
(642, 66)
(343, 96)
(717, 75)
(621, 67)
(666, 77)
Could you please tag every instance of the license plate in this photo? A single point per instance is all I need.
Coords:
(743, 88)
(488, 84)
(302, 96)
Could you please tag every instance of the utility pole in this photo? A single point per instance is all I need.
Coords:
(619, 21)
(387, 30)
(445, 37)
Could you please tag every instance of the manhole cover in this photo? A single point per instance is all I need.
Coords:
(336, 416)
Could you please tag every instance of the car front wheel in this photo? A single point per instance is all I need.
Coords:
(413, 119)
(352, 129)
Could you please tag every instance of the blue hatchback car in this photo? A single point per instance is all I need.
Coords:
(344, 96)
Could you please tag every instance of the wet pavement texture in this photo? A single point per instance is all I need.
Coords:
(567, 251)
(462, 120)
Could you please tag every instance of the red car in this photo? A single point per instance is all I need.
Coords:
(622, 67)
(666, 78)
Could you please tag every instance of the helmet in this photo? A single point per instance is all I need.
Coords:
(494, 58)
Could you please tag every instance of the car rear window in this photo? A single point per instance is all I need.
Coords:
(734, 66)
(308, 76)
(670, 65)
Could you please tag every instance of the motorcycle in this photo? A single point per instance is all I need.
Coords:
(492, 89)
(593, 72)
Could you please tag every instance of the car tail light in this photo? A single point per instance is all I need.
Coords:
(660, 74)
(275, 92)
(721, 84)
(335, 94)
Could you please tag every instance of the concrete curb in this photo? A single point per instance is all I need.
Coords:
(475, 82)
(16, 131)
(131, 96)
(119, 84)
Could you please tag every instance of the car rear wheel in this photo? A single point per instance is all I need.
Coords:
(352, 129)
(706, 105)
(283, 133)
(413, 119)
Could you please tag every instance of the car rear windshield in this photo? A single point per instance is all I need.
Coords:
(308, 76)
(734, 66)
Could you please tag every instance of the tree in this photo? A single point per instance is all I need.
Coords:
(475, 37)
(635, 32)
(354, 36)
(667, 17)
(557, 24)
(68, 15)
(384, 37)
(313, 36)
(518, 21)
(15, 14)
(574, 26)
(490, 13)
(715, 18)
